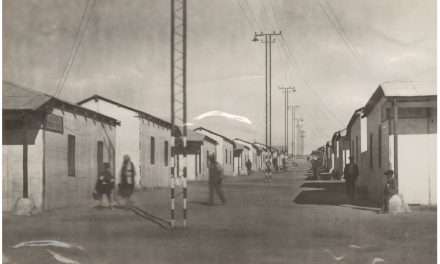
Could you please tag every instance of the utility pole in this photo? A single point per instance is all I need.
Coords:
(297, 134)
(178, 100)
(293, 108)
(286, 91)
(268, 39)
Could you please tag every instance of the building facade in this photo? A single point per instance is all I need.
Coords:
(200, 148)
(145, 138)
(408, 112)
(53, 150)
(225, 150)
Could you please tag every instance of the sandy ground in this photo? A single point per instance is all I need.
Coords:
(290, 220)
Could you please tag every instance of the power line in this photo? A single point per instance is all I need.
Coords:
(72, 48)
(252, 13)
(77, 47)
(244, 14)
(267, 14)
(345, 39)
(292, 57)
(274, 14)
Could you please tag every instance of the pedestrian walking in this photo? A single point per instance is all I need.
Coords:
(275, 163)
(284, 160)
(390, 189)
(105, 185)
(126, 185)
(268, 170)
(351, 173)
(215, 180)
(249, 166)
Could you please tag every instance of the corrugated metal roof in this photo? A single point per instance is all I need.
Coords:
(409, 88)
(18, 97)
(141, 113)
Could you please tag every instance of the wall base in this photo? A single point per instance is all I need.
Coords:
(24, 206)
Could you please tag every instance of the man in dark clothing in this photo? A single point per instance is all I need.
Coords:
(105, 185)
(126, 186)
(275, 163)
(351, 173)
(215, 180)
(249, 166)
(390, 189)
(268, 170)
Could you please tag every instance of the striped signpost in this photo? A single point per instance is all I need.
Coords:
(178, 102)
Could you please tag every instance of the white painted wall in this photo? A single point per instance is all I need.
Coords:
(127, 135)
(418, 168)
(12, 172)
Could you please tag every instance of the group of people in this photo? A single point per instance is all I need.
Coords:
(105, 184)
(351, 174)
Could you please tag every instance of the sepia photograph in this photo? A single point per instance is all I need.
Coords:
(220, 131)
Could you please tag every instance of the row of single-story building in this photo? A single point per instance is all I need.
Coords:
(53, 150)
(397, 130)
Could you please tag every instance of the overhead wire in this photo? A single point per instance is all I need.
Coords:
(77, 47)
(252, 14)
(245, 15)
(72, 48)
(344, 37)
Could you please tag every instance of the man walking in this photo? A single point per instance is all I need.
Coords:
(215, 180)
(249, 166)
(268, 169)
(351, 173)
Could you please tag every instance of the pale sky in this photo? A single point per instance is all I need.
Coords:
(125, 56)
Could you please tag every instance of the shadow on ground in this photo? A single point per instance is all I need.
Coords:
(333, 193)
(322, 176)
(147, 216)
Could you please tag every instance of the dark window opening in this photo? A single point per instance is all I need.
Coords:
(166, 152)
(71, 155)
(380, 147)
(371, 150)
(152, 149)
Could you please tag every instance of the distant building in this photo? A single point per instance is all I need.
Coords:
(53, 150)
(261, 155)
(225, 149)
(146, 138)
(253, 151)
(199, 148)
(356, 131)
(241, 154)
(415, 158)
(341, 151)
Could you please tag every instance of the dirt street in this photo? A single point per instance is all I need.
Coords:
(290, 220)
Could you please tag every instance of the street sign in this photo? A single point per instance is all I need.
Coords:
(54, 123)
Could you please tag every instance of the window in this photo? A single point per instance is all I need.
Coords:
(357, 149)
(166, 152)
(100, 156)
(230, 157)
(371, 150)
(207, 158)
(200, 162)
(379, 148)
(352, 146)
(152, 148)
(71, 155)
(226, 160)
